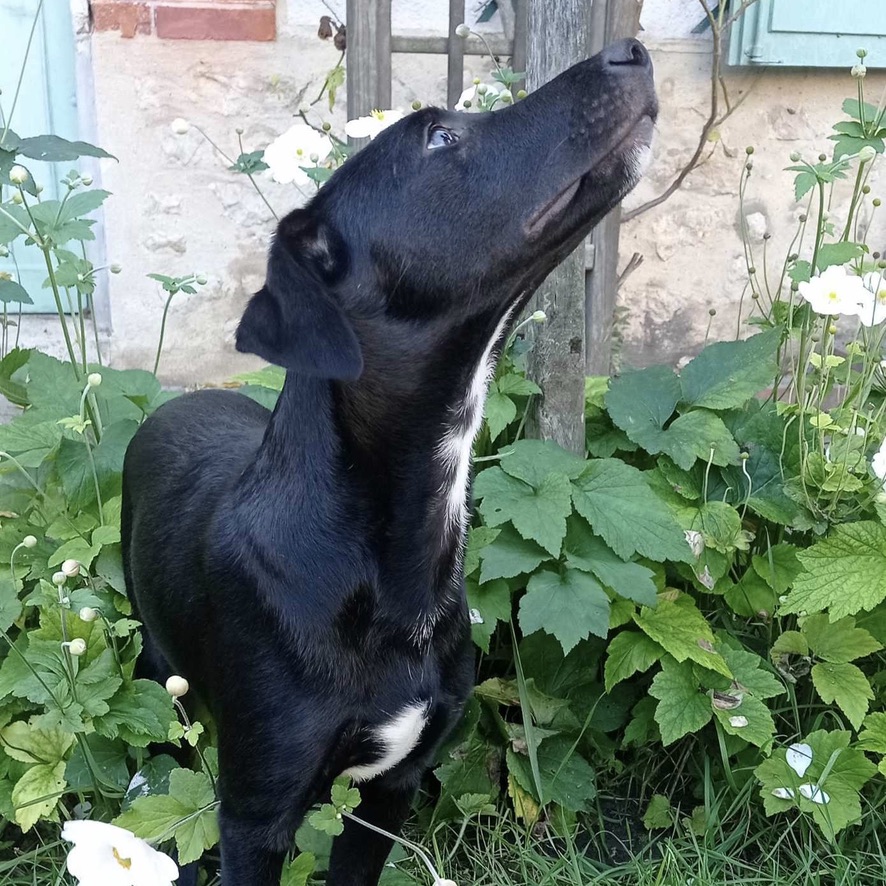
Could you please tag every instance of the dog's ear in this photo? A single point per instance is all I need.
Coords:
(294, 320)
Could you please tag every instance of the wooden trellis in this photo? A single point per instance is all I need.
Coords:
(579, 296)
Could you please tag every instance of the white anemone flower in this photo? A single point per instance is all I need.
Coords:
(294, 149)
(878, 462)
(872, 307)
(105, 855)
(835, 292)
(377, 121)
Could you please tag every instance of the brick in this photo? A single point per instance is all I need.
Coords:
(222, 21)
(119, 15)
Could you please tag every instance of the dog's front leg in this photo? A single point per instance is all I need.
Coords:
(358, 855)
(252, 852)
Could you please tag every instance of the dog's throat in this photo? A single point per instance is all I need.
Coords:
(455, 448)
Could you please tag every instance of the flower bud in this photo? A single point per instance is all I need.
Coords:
(506, 97)
(18, 175)
(416, 105)
(822, 157)
(71, 568)
(795, 156)
(476, 81)
(17, 199)
(4, 252)
(539, 317)
(749, 150)
(326, 126)
(858, 71)
(875, 202)
(29, 541)
(115, 268)
(866, 154)
(239, 130)
(87, 180)
(87, 614)
(94, 379)
(177, 686)
(201, 279)
(38, 189)
(482, 89)
(77, 647)
(59, 578)
(180, 126)
(462, 30)
(861, 53)
(521, 94)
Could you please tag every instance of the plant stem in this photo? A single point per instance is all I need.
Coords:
(162, 332)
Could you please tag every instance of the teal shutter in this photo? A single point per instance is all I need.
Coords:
(47, 103)
(810, 33)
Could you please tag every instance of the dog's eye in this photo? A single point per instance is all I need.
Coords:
(441, 137)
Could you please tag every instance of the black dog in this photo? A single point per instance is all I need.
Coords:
(303, 568)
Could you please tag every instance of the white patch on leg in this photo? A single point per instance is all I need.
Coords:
(398, 737)
(454, 450)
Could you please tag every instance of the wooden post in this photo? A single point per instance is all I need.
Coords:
(455, 55)
(611, 20)
(558, 36)
(369, 57)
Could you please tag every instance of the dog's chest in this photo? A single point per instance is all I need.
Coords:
(385, 745)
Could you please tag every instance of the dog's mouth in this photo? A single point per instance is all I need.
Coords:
(635, 147)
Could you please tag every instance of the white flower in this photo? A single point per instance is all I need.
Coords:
(835, 292)
(18, 175)
(814, 793)
(180, 126)
(872, 301)
(177, 686)
(878, 462)
(799, 756)
(105, 855)
(289, 152)
(369, 127)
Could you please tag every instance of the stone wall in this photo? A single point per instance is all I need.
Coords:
(177, 209)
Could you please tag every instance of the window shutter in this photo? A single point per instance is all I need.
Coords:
(47, 104)
(810, 33)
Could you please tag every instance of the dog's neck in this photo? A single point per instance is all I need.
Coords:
(399, 439)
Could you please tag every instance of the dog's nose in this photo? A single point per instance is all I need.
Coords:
(626, 52)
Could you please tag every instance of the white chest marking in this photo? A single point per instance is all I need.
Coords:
(398, 738)
(455, 448)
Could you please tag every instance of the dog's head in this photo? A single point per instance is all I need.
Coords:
(453, 215)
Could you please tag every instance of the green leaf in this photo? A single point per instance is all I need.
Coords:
(751, 595)
(328, 820)
(28, 744)
(10, 365)
(139, 713)
(844, 573)
(699, 435)
(267, 377)
(838, 642)
(37, 792)
(188, 812)
(803, 183)
(659, 814)
(297, 873)
(510, 555)
(566, 777)
(849, 770)
(515, 385)
(10, 291)
(478, 538)
(751, 721)
(641, 402)
(683, 631)
(750, 674)
(108, 757)
(846, 685)
(500, 411)
(569, 605)
(30, 442)
(53, 149)
(493, 602)
(682, 709)
(873, 736)
(721, 527)
(82, 203)
(837, 254)
(621, 507)
(586, 551)
(539, 513)
(778, 567)
(727, 374)
(629, 653)
(533, 461)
